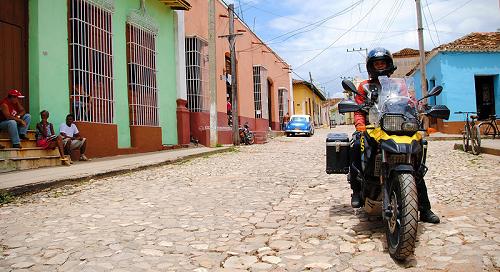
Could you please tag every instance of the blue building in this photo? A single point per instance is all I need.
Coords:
(468, 69)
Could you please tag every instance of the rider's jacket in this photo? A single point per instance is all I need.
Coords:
(360, 116)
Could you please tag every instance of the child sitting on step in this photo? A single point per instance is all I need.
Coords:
(47, 139)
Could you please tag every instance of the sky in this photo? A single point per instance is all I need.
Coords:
(314, 36)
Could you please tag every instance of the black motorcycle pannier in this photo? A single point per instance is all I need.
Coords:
(337, 153)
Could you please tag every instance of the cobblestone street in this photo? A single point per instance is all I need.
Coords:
(267, 207)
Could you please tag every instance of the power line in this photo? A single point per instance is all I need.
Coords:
(432, 19)
(391, 20)
(459, 7)
(343, 34)
(319, 22)
(385, 21)
(427, 25)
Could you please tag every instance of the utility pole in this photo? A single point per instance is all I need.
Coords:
(234, 88)
(212, 73)
(359, 50)
(421, 49)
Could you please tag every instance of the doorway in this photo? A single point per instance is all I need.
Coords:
(485, 96)
(14, 47)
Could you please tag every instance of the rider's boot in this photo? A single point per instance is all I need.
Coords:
(356, 199)
(424, 205)
(429, 217)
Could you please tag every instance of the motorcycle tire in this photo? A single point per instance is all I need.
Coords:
(401, 228)
(250, 139)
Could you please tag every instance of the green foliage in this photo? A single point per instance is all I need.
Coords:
(5, 197)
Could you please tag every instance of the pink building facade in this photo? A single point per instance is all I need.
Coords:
(263, 78)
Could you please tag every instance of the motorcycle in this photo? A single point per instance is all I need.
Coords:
(246, 136)
(393, 156)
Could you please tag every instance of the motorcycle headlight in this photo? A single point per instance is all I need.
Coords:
(397, 123)
(392, 123)
(410, 126)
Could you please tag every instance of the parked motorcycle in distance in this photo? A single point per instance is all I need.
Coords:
(393, 156)
(246, 136)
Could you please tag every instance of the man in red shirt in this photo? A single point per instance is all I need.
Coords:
(13, 118)
(379, 63)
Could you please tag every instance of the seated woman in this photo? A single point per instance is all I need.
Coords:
(46, 138)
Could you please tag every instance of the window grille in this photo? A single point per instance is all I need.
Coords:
(197, 75)
(260, 91)
(142, 84)
(91, 62)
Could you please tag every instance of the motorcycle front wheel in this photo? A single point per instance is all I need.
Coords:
(401, 229)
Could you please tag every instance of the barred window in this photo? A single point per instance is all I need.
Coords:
(282, 103)
(197, 74)
(142, 73)
(260, 91)
(91, 62)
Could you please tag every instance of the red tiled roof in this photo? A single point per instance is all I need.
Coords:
(406, 52)
(474, 42)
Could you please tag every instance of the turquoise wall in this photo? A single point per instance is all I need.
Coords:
(455, 71)
(48, 60)
(164, 17)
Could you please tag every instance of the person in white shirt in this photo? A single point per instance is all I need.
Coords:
(71, 137)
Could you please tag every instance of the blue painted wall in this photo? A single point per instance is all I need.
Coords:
(455, 71)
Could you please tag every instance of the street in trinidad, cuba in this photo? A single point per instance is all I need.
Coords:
(268, 207)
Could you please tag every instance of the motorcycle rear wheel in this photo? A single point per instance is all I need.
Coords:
(250, 139)
(401, 228)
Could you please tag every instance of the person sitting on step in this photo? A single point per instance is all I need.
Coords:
(14, 118)
(71, 137)
(47, 139)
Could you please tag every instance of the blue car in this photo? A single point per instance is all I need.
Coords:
(300, 124)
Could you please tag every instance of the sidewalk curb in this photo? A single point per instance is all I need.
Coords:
(55, 183)
(484, 150)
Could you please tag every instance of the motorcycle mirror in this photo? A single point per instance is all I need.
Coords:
(434, 92)
(349, 86)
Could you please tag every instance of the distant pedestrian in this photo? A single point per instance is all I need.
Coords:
(13, 118)
(229, 112)
(286, 119)
(71, 137)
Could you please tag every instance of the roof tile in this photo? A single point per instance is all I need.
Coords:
(474, 42)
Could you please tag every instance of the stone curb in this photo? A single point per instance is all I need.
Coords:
(484, 150)
(51, 184)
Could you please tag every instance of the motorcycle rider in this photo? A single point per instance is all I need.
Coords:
(379, 62)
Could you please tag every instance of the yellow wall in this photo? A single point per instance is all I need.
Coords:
(303, 96)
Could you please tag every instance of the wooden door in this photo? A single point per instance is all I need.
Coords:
(14, 47)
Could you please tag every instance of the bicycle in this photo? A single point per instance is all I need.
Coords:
(489, 127)
(471, 133)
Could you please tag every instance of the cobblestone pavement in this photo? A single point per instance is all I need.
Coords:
(267, 207)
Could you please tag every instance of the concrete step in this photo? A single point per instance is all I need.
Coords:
(5, 135)
(24, 163)
(6, 142)
(260, 137)
(8, 153)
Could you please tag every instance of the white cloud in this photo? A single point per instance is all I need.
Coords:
(379, 28)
